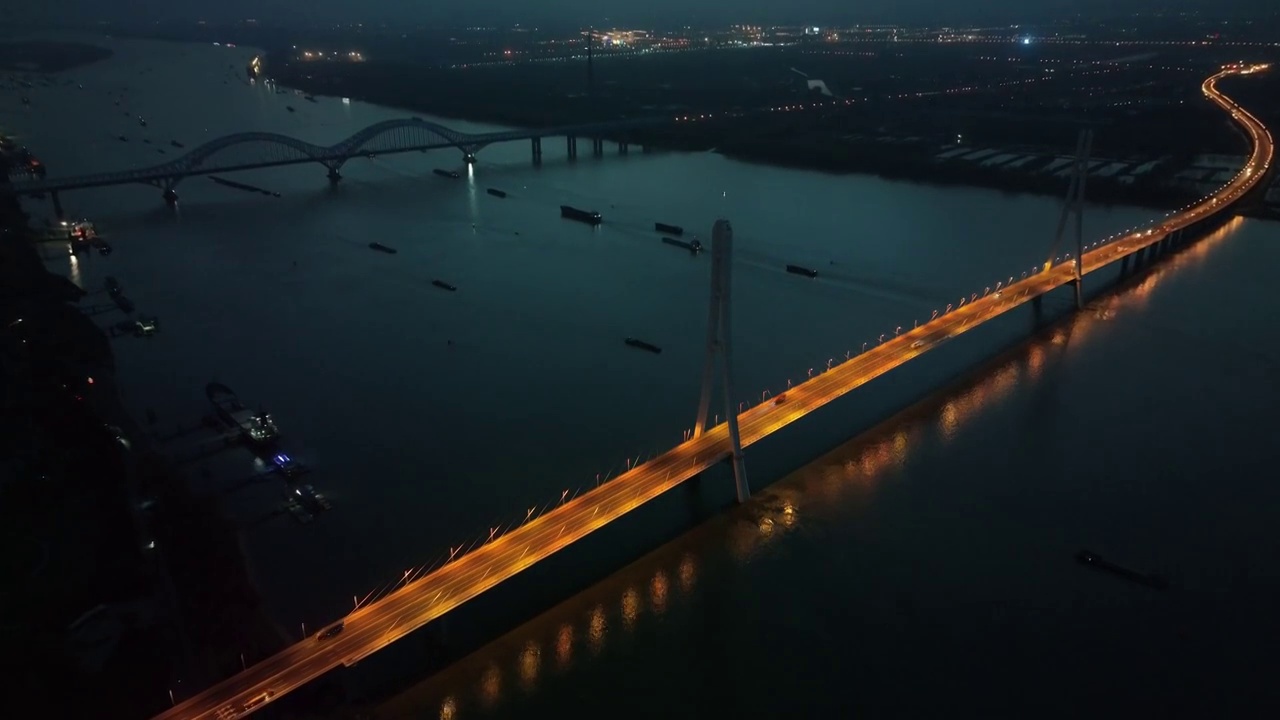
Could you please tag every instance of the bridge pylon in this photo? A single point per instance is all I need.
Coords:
(1074, 206)
(718, 346)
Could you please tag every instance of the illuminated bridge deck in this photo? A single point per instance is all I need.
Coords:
(375, 625)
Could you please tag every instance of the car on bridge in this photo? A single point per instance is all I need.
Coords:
(330, 632)
(257, 700)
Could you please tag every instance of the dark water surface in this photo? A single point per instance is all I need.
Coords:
(925, 566)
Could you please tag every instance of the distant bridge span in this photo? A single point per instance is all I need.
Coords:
(252, 150)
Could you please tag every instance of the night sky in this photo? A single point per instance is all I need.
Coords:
(606, 12)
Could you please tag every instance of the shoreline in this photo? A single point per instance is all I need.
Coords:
(206, 606)
(819, 153)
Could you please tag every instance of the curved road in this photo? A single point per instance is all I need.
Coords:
(372, 627)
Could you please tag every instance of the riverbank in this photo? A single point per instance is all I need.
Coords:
(139, 586)
(892, 143)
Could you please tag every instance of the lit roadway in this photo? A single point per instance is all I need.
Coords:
(375, 625)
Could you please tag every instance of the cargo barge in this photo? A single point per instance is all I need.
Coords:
(692, 246)
(642, 345)
(444, 285)
(589, 217)
(256, 428)
(496, 192)
(1084, 557)
(669, 229)
(383, 248)
(799, 270)
(447, 173)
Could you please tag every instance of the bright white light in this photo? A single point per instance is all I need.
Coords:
(1026, 41)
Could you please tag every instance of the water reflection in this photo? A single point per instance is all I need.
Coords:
(490, 686)
(564, 646)
(73, 272)
(688, 574)
(596, 629)
(530, 659)
(630, 607)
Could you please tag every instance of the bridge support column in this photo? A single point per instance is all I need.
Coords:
(622, 148)
(536, 144)
(597, 147)
(571, 146)
(1124, 266)
(644, 149)
(1074, 206)
(57, 205)
(469, 158)
(718, 345)
(334, 176)
(170, 198)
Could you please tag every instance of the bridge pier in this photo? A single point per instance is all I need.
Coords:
(469, 158)
(536, 144)
(57, 206)
(597, 147)
(571, 146)
(170, 197)
(334, 177)
(622, 148)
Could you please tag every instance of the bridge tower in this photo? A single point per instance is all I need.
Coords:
(1074, 206)
(718, 346)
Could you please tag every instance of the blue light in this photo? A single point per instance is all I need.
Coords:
(282, 458)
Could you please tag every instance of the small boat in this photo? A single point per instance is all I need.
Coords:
(176, 144)
(257, 428)
(383, 248)
(799, 270)
(669, 229)
(642, 345)
(289, 108)
(694, 247)
(447, 173)
(123, 138)
(589, 217)
(496, 192)
(444, 285)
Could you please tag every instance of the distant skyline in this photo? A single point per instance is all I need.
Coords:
(615, 12)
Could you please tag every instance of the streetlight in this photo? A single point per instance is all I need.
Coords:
(829, 361)
(881, 337)
(864, 347)
(810, 372)
(897, 330)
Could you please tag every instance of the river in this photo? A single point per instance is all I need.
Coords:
(921, 566)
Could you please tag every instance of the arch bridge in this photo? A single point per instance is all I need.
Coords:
(253, 150)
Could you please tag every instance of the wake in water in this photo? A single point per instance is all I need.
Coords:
(879, 285)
